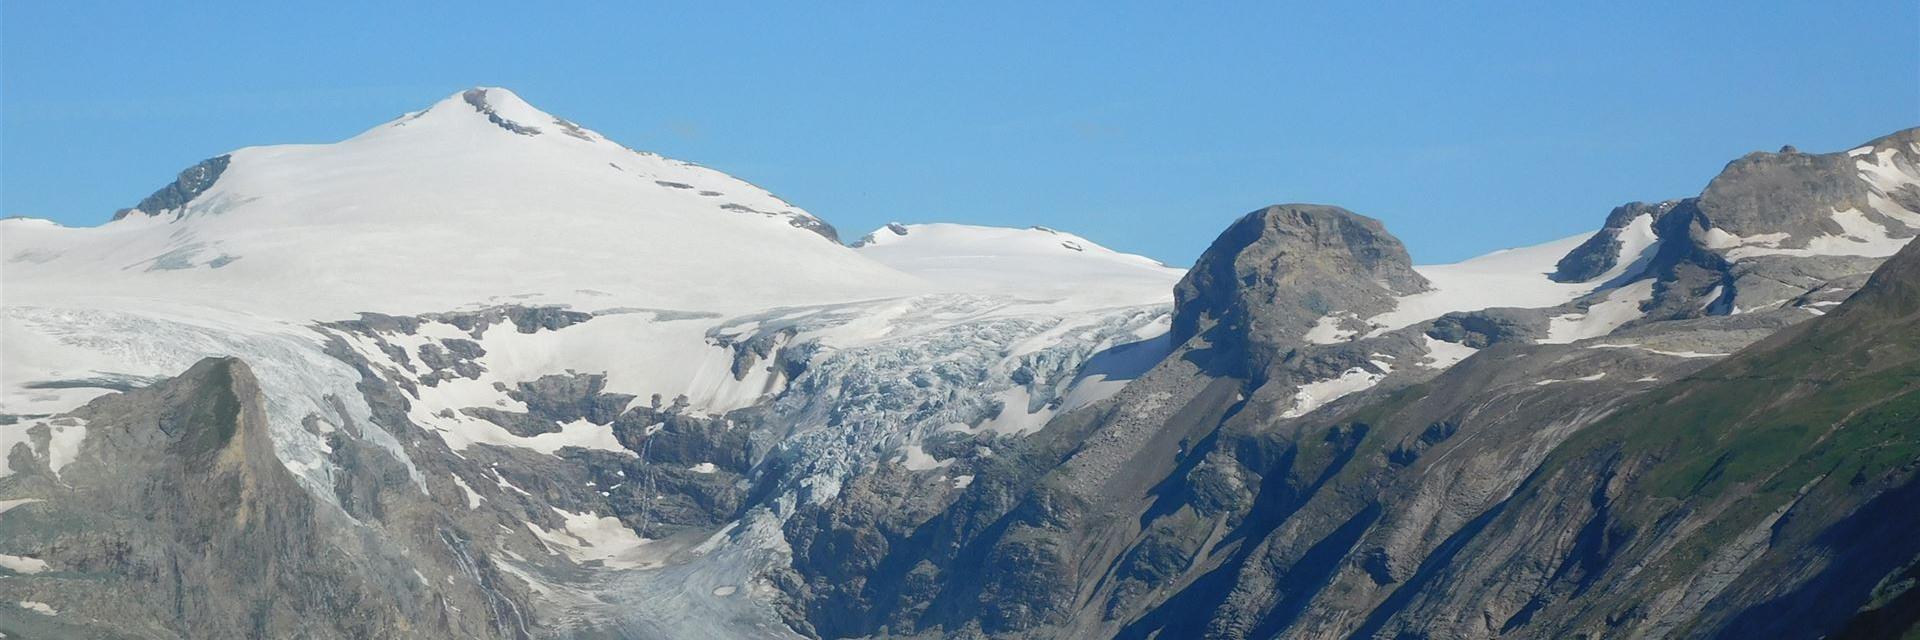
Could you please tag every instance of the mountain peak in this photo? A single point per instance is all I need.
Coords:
(506, 110)
(479, 188)
(478, 107)
(1275, 271)
(497, 95)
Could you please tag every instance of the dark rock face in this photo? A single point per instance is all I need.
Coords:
(453, 355)
(1601, 252)
(1482, 329)
(191, 183)
(1276, 271)
(1793, 193)
(761, 347)
(689, 471)
(477, 98)
(798, 221)
(565, 398)
(907, 551)
(816, 225)
(524, 319)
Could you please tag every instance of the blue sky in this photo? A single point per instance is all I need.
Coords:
(1146, 127)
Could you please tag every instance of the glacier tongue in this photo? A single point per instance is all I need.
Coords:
(952, 367)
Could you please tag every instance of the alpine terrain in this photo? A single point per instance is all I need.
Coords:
(480, 372)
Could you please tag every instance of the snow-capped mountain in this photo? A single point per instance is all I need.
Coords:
(477, 199)
(483, 372)
(465, 251)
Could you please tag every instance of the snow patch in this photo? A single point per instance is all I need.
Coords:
(1883, 171)
(917, 459)
(1638, 245)
(8, 505)
(1619, 307)
(473, 497)
(63, 444)
(1442, 354)
(1676, 354)
(1590, 378)
(1860, 236)
(1328, 330)
(1505, 278)
(1314, 395)
(588, 538)
(22, 564)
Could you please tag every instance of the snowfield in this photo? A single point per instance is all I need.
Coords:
(1515, 278)
(1030, 262)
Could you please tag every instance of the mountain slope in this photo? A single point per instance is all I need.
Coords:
(1335, 438)
(170, 517)
(525, 382)
(1759, 497)
(562, 375)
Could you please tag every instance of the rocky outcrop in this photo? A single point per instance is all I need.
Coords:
(817, 226)
(192, 182)
(1488, 327)
(1767, 229)
(477, 98)
(894, 228)
(1789, 192)
(1275, 272)
(1601, 252)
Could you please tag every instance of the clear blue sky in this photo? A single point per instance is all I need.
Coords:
(1147, 127)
